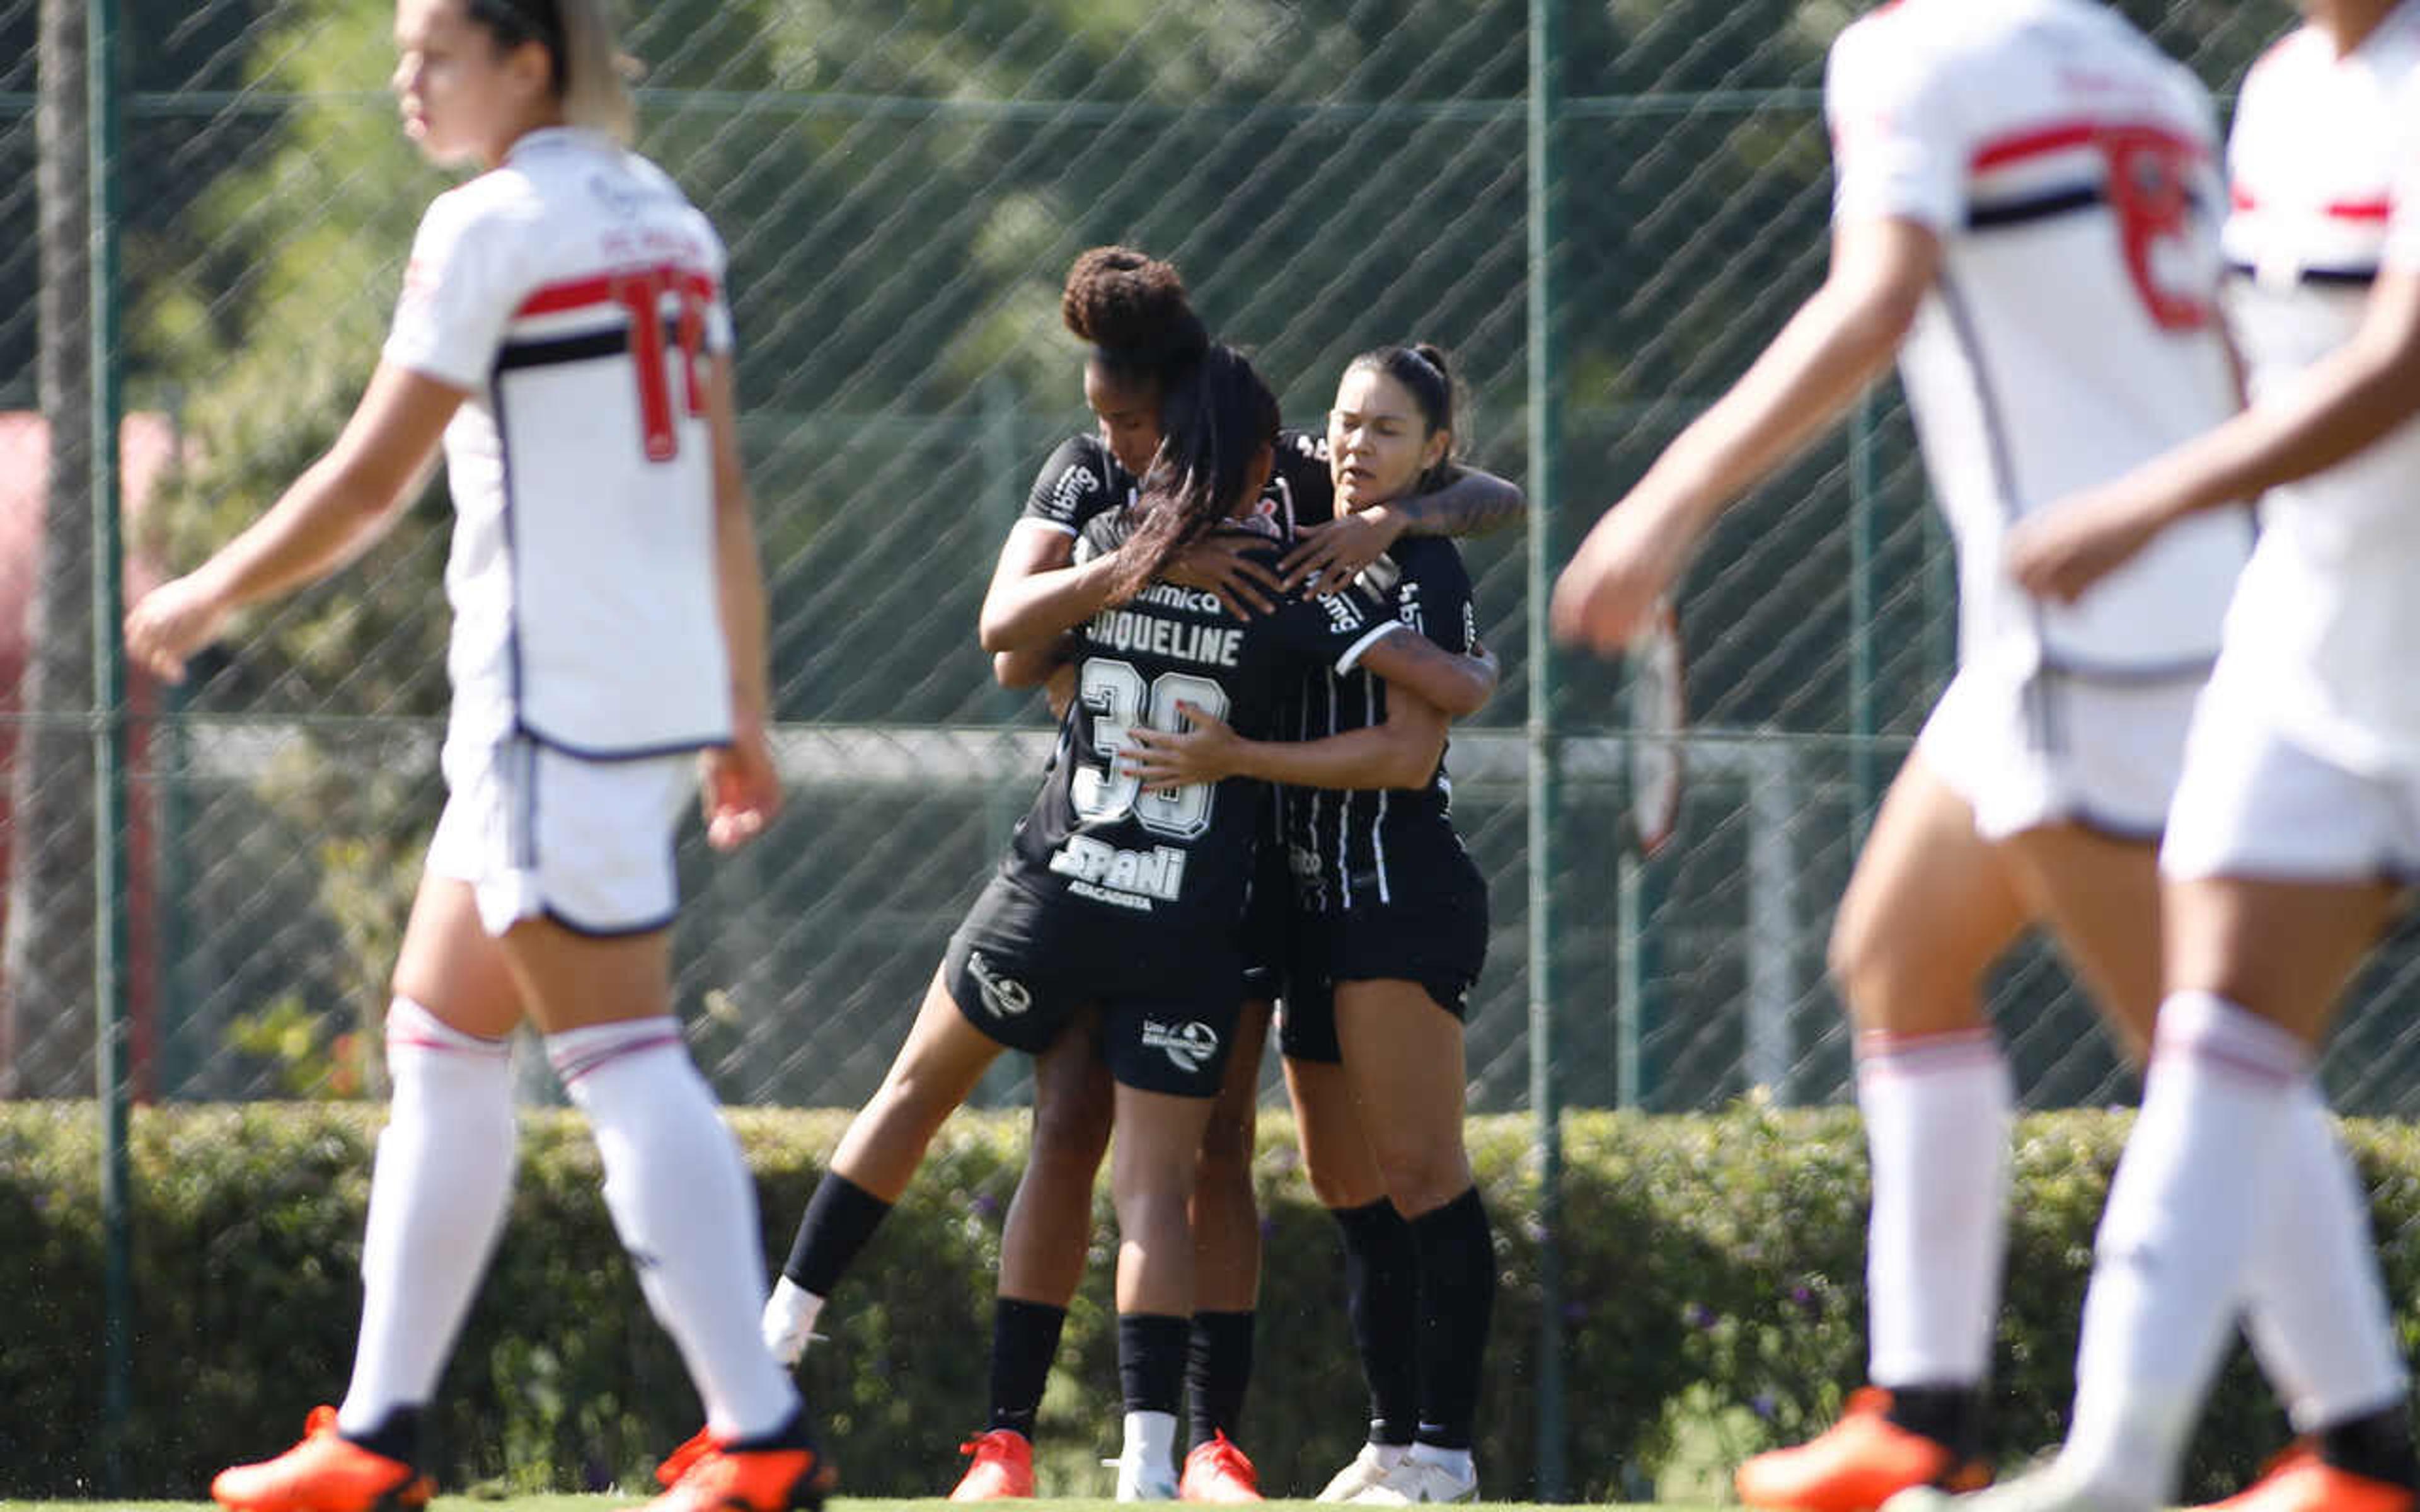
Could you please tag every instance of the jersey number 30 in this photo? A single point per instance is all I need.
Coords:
(1119, 699)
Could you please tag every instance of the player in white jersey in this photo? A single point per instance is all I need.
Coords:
(2027, 215)
(563, 331)
(2298, 815)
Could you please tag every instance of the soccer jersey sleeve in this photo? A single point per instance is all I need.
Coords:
(1335, 629)
(1433, 594)
(1073, 487)
(459, 292)
(1896, 145)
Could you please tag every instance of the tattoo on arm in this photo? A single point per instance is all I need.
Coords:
(1473, 503)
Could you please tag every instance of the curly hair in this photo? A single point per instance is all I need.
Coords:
(1135, 314)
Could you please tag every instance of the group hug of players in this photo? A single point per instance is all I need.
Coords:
(2165, 394)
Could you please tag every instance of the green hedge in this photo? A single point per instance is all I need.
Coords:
(1714, 1302)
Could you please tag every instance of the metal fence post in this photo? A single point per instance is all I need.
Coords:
(1863, 548)
(110, 1069)
(1544, 758)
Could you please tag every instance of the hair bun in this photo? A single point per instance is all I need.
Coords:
(1119, 299)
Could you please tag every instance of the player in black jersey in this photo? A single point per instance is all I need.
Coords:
(1125, 902)
(1392, 932)
(1133, 311)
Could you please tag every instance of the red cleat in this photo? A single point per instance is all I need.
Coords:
(2298, 1480)
(684, 1459)
(1217, 1472)
(325, 1473)
(1002, 1469)
(1856, 1465)
(749, 1480)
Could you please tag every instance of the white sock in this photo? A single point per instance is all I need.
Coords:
(2318, 1313)
(1151, 1440)
(438, 1194)
(685, 1208)
(2168, 1273)
(789, 1320)
(1937, 1110)
(1457, 1460)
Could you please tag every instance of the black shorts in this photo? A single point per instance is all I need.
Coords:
(1439, 942)
(1021, 970)
(1268, 925)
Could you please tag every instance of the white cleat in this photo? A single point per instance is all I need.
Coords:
(1367, 1469)
(1140, 1480)
(1419, 1480)
(2047, 1489)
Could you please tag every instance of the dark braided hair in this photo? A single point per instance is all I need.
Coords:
(1422, 371)
(1217, 419)
(1135, 313)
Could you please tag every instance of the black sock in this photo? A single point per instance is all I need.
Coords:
(1382, 1298)
(397, 1437)
(793, 1434)
(1951, 1416)
(1217, 1369)
(1151, 1360)
(1024, 1341)
(1457, 1253)
(841, 1217)
(2377, 1445)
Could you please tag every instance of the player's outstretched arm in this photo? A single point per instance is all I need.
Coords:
(1331, 555)
(740, 784)
(1402, 752)
(2350, 399)
(334, 509)
(1839, 341)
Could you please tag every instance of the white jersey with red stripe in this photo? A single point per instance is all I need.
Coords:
(571, 292)
(2070, 170)
(2326, 188)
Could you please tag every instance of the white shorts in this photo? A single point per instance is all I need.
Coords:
(539, 834)
(2056, 748)
(2255, 805)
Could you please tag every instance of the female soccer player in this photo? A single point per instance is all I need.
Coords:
(2298, 815)
(1390, 935)
(1125, 902)
(1135, 315)
(563, 329)
(2025, 202)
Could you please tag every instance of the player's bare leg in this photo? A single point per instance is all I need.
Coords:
(2203, 1173)
(1043, 1246)
(1931, 906)
(1226, 1220)
(1152, 1172)
(1404, 1061)
(931, 1077)
(438, 1196)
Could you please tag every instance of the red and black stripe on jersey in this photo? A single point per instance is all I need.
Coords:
(1150, 866)
(1382, 847)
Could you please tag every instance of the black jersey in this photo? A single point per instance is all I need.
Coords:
(1361, 849)
(1081, 481)
(1173, 863)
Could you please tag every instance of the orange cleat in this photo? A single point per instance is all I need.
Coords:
(1217, 1472)
(325, 1473)
(1002, 1469)
(1856, 1465)
(749, 1480)
(684, 1459)
(2298, 1480)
